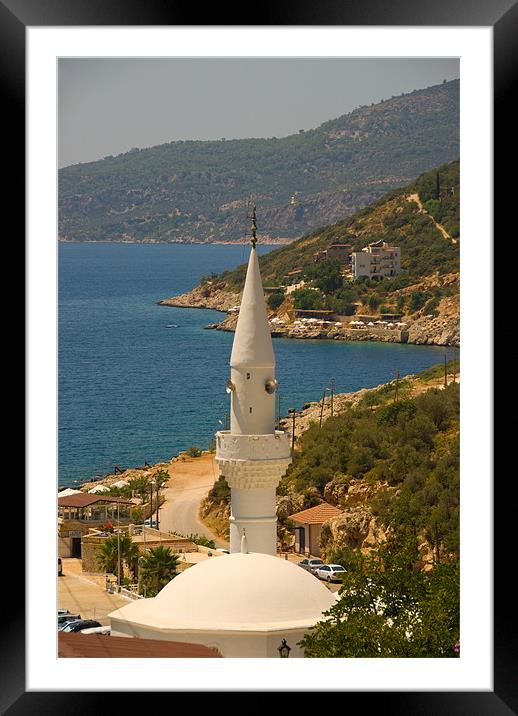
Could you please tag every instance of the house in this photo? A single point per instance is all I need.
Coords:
(342, 252)
(377, 260)
(79, 512)
(308, 525)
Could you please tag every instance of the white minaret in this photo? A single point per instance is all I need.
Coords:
(252, 455)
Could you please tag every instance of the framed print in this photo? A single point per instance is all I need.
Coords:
(37, 40)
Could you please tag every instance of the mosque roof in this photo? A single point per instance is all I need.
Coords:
(238, 592)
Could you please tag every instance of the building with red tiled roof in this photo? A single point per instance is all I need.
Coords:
(309, 525)
(99, 646)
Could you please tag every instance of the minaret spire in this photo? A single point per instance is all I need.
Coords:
(252, 455)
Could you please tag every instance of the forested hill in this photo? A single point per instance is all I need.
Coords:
(198, 190)
(409, 217)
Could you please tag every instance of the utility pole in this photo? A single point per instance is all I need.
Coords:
(118, 548)
(151, 504)
(322, 406)
(332, 389)
(397, 387)
(445, 372)
(292, 411)
(157, 503)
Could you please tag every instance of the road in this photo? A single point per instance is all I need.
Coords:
(85, 596)
(189, 484)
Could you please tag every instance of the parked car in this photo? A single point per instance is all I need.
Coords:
(310, 564)
(330, 572)
(80, 624)
(105, 630)
(62, 611)
(151, 523)
(66, 620)
(221, 549)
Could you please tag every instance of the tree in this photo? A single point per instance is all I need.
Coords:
(373, 302)
(275, 300)
(157, 567)
(161, 477)
(121, 546)
(326, 275)
(107, 555)
(388, 607)
(307, 299)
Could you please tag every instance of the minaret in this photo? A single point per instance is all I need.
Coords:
(252, 455)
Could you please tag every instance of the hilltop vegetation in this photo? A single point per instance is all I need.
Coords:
(198, 190)
(395, 218)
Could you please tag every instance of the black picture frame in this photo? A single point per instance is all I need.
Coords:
(502, 15)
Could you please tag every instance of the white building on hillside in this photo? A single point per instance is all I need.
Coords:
(377, 260)
(246, 603)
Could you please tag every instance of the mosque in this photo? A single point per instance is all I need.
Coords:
(246, 603)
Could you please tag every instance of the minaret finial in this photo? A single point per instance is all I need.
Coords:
(254, 228)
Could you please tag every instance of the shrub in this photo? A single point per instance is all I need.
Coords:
(275, 300)
(194, 451)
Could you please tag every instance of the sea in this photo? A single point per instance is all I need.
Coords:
(139, 382)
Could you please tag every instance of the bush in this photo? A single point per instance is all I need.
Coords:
(307, 299)
(275, 300)
(194, 451)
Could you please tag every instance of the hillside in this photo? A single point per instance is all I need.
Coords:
(421, 218)
(198, 190)
(389, 462)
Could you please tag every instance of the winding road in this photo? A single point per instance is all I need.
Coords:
(189, 484)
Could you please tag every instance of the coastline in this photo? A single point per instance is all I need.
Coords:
(441, 330)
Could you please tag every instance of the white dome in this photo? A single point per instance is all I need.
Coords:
(234, 592)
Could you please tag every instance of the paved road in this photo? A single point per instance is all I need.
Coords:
(84, 596)
(190, 482)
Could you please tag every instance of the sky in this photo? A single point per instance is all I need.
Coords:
(110, 105)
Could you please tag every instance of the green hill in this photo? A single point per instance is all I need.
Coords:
(198, 190)
(396, 218)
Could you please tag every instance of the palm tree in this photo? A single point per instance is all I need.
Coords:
(123, 547)
(160, 477)
(107, 555)
(158, 566)
(140, 486)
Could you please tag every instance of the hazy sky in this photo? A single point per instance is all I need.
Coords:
(108, 106)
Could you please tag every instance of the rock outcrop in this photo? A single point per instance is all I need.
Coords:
(207, 295)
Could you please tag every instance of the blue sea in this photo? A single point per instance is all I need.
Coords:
(141, 382)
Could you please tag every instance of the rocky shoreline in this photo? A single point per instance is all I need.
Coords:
(440, 330)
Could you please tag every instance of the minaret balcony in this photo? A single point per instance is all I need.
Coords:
(253, 461)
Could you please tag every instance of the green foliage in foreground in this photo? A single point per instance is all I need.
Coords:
(390, 608)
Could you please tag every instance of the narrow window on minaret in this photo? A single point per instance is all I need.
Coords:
(248, 376)
(250, 409)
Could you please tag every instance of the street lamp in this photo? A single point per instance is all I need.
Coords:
(284, 649)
